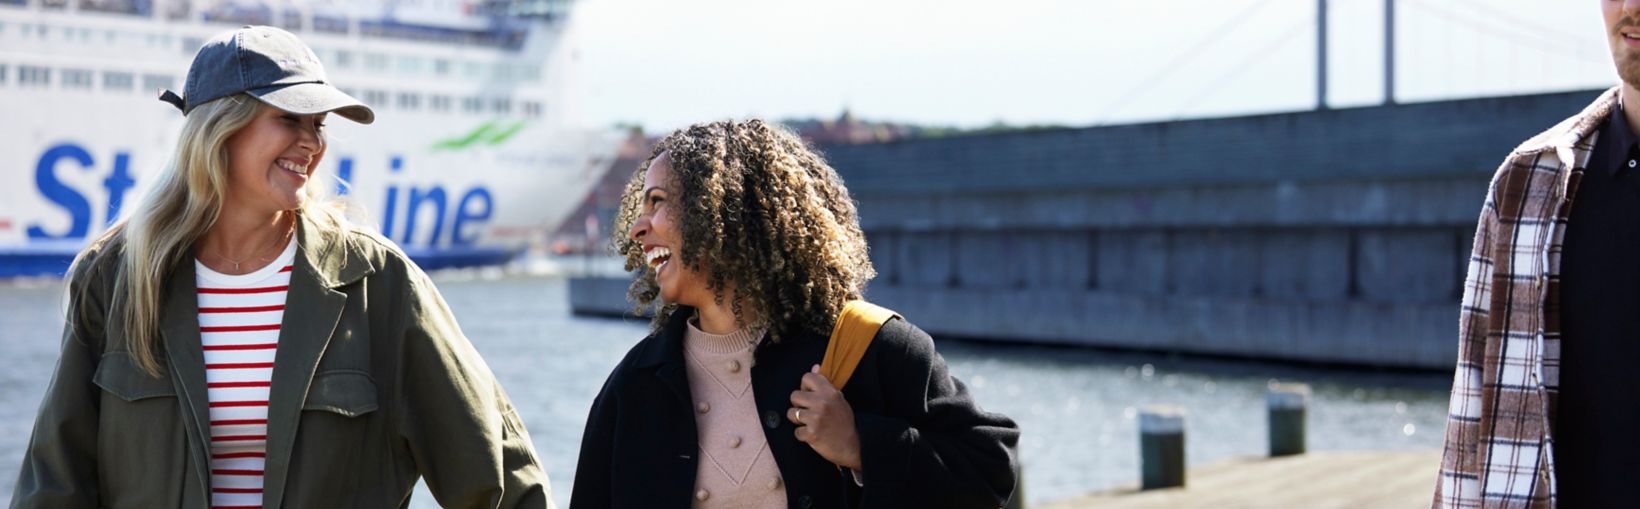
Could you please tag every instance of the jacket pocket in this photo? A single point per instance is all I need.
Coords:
(118, 374)
(347, 392)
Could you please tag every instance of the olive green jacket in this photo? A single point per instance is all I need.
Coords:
(373, 386)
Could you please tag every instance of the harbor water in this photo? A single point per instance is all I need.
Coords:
(1077, 408)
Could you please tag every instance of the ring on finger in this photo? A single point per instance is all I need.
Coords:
(798, 416)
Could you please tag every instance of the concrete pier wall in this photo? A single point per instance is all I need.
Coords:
(1336, 236)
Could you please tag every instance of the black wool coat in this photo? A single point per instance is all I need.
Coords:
(923, 440)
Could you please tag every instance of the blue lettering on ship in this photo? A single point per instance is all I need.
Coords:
(71, 201)
(475, 207)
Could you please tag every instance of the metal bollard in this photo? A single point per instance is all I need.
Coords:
(1288, 404)
(1161, 447)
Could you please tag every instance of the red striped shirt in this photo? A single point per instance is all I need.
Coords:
(238, 291)
(258, 346)
(239, 322)
(225, 385)
(240, 365)
(247, 309)
(241, 328)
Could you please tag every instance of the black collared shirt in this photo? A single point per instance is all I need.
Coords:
(1597, 422)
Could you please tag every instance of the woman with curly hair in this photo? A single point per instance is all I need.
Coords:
(722, 405)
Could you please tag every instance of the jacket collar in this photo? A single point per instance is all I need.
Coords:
(667, 342)
(664, 354)
(335, 259)
(1572, 141)
(325, 260)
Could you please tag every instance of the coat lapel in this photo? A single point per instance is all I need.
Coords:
(180, 328)
(313, 307)
(667, 356)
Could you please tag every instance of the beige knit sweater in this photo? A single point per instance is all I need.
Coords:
(735, 468)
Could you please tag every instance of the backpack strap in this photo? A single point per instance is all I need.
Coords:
(856, 326)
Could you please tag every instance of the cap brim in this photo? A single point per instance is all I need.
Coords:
(313, 99)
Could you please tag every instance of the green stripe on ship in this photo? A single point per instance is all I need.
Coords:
(489, 133)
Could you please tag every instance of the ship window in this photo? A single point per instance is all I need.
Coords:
(117, 80)
(28, 75)
(410, 65)
(532, 109)
(441, 66)
(191, 45)
(375, 98)
(329, 23)
(291, 20)
(375, 61)
(439, 103)
(155, 82)
(501, 105)
(532, 73)
(343, 59)
(3, 71)
(409, 101)
(472, 105)
(472, 70)
(76, 78)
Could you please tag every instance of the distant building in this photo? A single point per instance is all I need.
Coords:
(848, 130)
(588, 227)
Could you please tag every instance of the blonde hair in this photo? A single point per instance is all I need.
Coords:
(182, 205)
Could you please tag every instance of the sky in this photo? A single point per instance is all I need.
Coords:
(664, 64)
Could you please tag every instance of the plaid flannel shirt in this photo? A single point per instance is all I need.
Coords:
(1499, 441)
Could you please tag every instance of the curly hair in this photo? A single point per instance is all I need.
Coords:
(760, 212)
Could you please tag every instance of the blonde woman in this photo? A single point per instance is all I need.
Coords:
(237, 343)
(750, 247)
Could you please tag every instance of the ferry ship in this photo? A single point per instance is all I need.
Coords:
(474, 156)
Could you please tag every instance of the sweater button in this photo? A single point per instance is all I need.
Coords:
(774, 484)
(734, 366)
(702, 495)
(734, 442)
(805, 502)
(771, 419)
(703, 407)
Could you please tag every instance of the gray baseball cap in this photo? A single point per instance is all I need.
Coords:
(269, 64)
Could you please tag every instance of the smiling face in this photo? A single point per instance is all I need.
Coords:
(659, 229)
(271, 159)
(1623, 35)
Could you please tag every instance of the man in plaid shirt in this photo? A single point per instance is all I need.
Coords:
(1546, 402)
